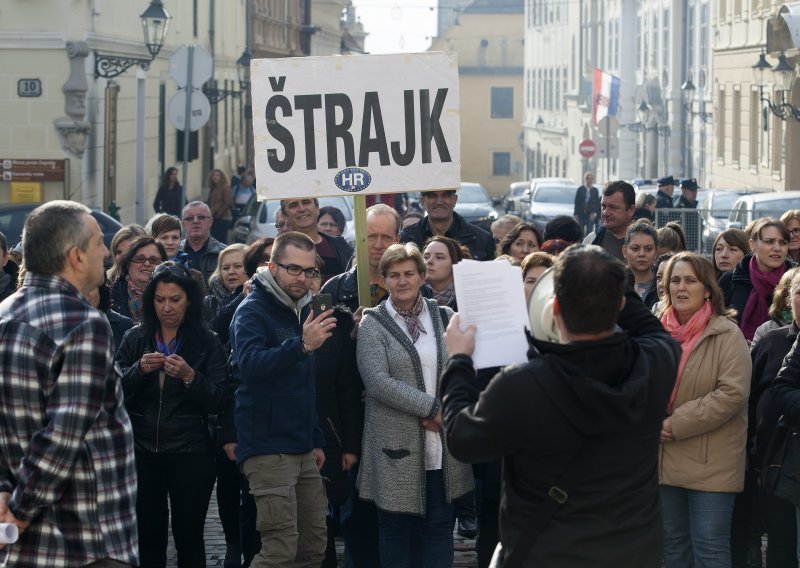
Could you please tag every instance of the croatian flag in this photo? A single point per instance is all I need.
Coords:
(605, 95)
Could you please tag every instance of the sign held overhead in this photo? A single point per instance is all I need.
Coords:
(356, 124)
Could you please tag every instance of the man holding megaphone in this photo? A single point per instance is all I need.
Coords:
(577, 426)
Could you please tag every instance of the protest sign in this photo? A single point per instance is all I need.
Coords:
(360, 124)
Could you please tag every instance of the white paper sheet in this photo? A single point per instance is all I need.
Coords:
(491, 297)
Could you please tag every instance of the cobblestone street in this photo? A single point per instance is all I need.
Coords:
(465, 556)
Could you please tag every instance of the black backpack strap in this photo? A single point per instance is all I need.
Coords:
(557, 495)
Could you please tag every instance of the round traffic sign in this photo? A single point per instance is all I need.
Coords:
(199, 110)
(587, 148)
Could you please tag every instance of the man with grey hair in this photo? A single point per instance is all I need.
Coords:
(67, 474)
(199, 245)
(502, 226)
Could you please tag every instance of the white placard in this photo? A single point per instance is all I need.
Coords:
(490, 296)
(356, 124)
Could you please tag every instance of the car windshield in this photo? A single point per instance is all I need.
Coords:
(517, 191)
(472, 194)
(555, 194)
(777, 207)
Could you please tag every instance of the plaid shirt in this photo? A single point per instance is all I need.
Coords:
(66, 444)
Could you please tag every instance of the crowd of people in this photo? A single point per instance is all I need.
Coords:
(635, 441)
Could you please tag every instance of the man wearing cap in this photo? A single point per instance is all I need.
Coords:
(666, 187)
(689, 219)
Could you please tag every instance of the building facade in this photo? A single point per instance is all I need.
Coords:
(753, 144)
(115, 132)
(652, 46)
(488, 39)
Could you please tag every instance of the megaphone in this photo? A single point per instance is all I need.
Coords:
(540, 308)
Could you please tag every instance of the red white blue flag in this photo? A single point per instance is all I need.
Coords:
(605, 95)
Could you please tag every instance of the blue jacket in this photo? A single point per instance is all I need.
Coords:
(275, 396)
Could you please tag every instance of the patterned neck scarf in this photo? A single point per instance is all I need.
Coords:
(134, 300)
(444, 297)
(411, 317)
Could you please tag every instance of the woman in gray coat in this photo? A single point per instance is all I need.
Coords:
(406, 469)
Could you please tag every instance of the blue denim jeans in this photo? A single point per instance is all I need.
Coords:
(697, 528)
(409, 541)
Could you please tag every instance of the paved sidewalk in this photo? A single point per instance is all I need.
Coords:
(465, 556)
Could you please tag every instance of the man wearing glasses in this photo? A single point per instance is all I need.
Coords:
(199, 245)
(273, 338)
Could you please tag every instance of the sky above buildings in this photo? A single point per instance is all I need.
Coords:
(397, 26)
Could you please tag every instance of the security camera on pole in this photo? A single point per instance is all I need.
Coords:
(188, 109)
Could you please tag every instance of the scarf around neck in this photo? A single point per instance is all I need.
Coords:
(134, 300)
(756, 311)
(687, 335)
(446, 296)
(411, 317)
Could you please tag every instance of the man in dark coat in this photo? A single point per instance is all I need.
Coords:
(587, 204)
(690, 220)
(443, 220)
(595, 401)
(664, 200)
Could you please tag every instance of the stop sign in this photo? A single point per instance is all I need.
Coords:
(587, 148)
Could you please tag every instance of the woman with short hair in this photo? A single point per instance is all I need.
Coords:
(406, 469)
(331, 221)
(703, 437)
(729, 248)
(166, 229)
(533, 266)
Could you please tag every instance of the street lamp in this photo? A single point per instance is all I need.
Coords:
(540, 124)
(154, 27)
(243, 68)
(644, 112)
(688, 91)
(782, 77)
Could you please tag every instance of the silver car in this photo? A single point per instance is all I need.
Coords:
(550, 200)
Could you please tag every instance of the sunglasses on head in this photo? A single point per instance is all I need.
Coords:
(172, 267)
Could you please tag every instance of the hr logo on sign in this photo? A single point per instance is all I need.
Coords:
(352, 180)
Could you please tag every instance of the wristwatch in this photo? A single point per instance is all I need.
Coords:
(304, 348)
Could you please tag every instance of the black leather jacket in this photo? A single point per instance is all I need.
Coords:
(479, 242)
(173, 418)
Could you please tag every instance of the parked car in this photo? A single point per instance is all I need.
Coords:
(516, 191)
(475, 205)
(13, 215)
(769, 204)
(258, 220)
(714, 211)
(549, 200)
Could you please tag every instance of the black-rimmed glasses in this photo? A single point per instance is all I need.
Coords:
(295, 270)
(172, 267)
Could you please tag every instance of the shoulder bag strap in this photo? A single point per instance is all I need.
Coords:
(557, 495)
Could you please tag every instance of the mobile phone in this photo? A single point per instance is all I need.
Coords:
(321, 303)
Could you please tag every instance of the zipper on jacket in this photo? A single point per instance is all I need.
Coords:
(335, 433)
(161, 379)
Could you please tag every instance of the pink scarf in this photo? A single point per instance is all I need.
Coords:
(756, 311)
(687, 335)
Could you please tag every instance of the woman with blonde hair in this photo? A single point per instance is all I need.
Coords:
(220, 201)
(792, 221)
(703, 437)
(120, 243)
